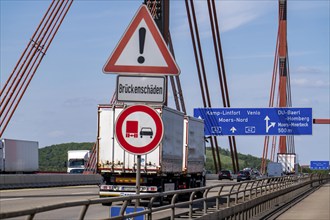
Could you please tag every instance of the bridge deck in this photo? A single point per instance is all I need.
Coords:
(315, 206)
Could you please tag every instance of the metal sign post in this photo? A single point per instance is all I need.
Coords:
(138, 178)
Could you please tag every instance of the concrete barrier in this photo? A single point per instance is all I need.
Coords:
(13, 181)
(211, 176)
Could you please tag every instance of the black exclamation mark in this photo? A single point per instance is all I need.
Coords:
(142, 37)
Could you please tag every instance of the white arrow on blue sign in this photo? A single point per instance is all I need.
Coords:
(256, 121)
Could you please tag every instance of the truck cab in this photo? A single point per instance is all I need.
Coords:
(77, 159)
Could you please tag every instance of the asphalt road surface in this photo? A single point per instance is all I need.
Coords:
(20, 199)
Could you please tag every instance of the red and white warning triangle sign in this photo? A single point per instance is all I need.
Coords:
(142, 50)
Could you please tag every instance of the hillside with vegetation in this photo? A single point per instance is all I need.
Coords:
(54, 157)
(226, 161)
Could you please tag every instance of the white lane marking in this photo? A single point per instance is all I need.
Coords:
(78, 193)
(1, 200)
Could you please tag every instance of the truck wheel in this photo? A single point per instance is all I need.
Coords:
(107, 204)
(199, 194)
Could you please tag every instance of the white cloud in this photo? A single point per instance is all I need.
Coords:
(310, 77)
(235, 14)
(304, 82)
(306, 101)
(308, 6)
(320, 83)
(307, 70)
(299, 82)
(231, 15)
(251, 56)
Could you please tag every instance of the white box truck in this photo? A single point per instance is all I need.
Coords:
(176, 163)
(288, 162)
(19, 156)
(77, 160)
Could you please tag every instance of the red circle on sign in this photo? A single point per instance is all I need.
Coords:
(158, 133)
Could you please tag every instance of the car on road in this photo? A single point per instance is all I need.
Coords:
(245, 175)
(257, 174)
(225, 174)
(76, 171)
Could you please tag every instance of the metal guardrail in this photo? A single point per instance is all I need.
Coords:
(238, 193)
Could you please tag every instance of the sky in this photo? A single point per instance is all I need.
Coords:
(60, 104)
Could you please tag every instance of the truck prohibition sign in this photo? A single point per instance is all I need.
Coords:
(139, 129)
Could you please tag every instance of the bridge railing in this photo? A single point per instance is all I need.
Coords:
(227, 195)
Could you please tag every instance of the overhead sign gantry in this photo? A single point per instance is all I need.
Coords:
(256, 121)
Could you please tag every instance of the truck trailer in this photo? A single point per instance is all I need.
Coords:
(178, 162)
(19, 156)
(274, 169)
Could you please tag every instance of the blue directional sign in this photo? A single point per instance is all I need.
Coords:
(115, 211)
(256, 121)
(319, 165)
